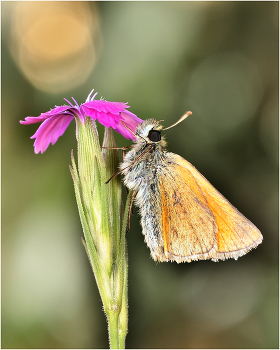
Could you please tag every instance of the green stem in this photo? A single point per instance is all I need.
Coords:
(118, 318)
(123, 319)
(113, 328)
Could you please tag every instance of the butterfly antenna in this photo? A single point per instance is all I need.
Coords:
(129, 129)
(180, 120)
(135, 135)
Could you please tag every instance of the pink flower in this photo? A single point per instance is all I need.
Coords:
(56, 121)
(112, 114)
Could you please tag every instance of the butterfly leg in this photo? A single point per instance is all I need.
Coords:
(130, 211)
(123, 153)
(122, 148)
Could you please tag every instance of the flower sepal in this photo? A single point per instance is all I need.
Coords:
(100, 210)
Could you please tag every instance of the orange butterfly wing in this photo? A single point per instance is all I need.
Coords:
(197, 221)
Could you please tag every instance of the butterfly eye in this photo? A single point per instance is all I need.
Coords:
(154, 135)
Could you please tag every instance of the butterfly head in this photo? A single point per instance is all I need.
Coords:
(150, 132)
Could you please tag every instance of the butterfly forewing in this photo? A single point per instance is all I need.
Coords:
(235, 234)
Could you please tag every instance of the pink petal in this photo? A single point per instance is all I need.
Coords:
(131, 121)
(44, 116)
(105, 106)
(50, 130)
(111, 114)
(106, 119)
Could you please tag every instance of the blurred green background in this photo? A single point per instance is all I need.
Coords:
(217, 59)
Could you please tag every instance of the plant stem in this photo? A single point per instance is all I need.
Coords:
(113, 328)
(123, 318)
(118, 316)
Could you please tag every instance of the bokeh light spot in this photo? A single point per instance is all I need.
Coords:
(55, 44)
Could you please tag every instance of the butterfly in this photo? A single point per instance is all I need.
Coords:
(183, 217)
